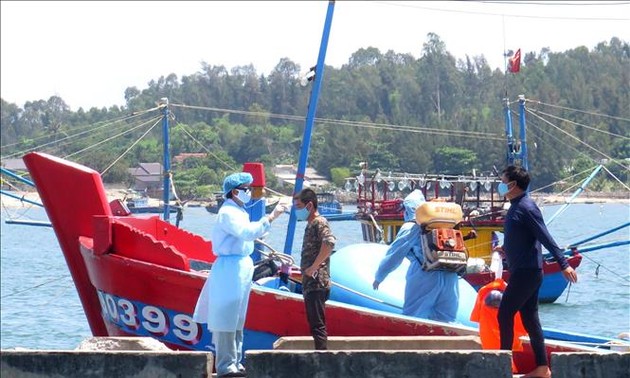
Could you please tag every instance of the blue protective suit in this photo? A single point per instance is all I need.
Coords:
(428, 294)
(223, 301)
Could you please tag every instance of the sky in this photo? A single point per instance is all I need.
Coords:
(89, 52)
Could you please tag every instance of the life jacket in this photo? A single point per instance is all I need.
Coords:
(487, 317)
(442, 245)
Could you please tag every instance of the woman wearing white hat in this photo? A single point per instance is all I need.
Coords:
(224, 298)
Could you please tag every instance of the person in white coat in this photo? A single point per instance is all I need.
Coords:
(223, 301)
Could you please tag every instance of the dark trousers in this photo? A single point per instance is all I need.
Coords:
(316, 316)
(521, 295)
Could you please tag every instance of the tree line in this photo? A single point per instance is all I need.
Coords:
(432, 114)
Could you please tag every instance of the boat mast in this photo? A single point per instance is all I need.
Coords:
(166, 158)
(508, 132)
(516, 152)
(308, 127)
(522, 153)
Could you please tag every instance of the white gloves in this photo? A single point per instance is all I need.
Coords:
(279, 210)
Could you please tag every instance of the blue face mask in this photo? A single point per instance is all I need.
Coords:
(302, 214)
(503, 189)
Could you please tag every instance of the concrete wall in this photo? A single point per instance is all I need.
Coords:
(86, 364)
(378, 364)
(383, 343)
(590, 365)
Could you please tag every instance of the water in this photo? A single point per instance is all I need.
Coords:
(40, 309)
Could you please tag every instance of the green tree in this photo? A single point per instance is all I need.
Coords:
(454, 161)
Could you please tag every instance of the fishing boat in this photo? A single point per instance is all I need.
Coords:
(330, 208)
(327, 204)
(139, 204)
(380, 212)
(142, 276)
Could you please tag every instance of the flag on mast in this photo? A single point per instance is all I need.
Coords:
(514, 63)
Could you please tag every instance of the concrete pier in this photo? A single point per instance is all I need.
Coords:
(87, 364)
(138, 357)
(380, 356)
(348, 357)
(375, 363)
(587, 365)
(383, 343)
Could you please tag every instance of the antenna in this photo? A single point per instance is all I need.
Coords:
(505, 55)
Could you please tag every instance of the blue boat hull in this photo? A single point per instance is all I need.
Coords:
(354, 266)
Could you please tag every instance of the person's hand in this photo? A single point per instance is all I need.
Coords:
(279, 210)
(375, 284)
(570, 274)
(472, 234)
(498, 248)
(311, 271)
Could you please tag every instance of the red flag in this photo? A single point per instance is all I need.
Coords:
(514, 63)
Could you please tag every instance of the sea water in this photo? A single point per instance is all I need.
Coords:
(40, 308)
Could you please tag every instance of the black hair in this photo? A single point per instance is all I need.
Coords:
(517, 174)
(307, 195)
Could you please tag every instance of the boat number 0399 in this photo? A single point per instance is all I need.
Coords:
(150, 318)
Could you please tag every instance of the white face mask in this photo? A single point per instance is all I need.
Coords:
(244, 195)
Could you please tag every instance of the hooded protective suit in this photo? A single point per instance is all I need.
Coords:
(428, 294)
(223, 301)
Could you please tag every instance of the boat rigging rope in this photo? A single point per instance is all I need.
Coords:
(616, 178)
(35, 287)
(566, 178)
(90, 129)
(577, 110)
(26, 206)
(580, 124)
(132, 146)
(600, 265)
(208, 151)
(112, 137)
(578, 140)
(373, 125)
(183, 128)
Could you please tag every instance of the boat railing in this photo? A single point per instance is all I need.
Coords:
(191, 245)
(384, 197)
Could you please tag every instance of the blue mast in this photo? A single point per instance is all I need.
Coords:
(508, 132)
(167, 158)
(516, 154)
(308, 127)
(522, 135)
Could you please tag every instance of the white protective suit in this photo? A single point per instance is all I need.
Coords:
(428, 294)
(224, 298)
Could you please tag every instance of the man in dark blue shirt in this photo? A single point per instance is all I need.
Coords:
(524, 231)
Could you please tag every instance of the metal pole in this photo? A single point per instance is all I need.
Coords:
(509, 157)
(17, 177)
(523, 136)
(166, 198)
(577, 193)
(308, 127)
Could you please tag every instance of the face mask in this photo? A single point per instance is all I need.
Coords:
(503, 189)
(253, 204)
(244, 196)
(302, 214)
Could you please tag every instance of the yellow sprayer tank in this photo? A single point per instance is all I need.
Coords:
(436, 214)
